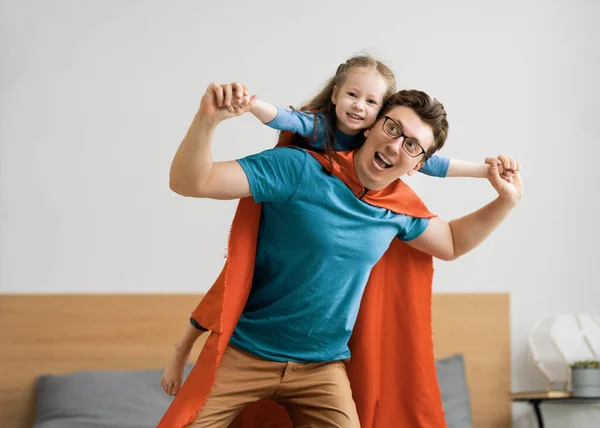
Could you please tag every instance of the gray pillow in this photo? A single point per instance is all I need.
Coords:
(134, 399)
(455, 395)
(101, 399)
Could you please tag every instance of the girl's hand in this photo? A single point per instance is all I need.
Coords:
(507, 166)
(224, 101)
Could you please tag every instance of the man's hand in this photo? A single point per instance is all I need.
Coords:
(507, 166)
(193, 172)
(509, 189)
(224, 101)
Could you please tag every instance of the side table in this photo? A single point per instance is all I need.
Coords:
(536, 398)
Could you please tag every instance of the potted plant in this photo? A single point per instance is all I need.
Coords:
(585, 376)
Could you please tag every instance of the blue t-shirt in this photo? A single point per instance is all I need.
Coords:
(316, 247)
(303, 123)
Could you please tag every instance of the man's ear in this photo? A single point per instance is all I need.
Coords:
(334, 95)
(416, 168)
(367, 132)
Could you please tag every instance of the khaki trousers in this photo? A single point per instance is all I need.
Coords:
(314, 394)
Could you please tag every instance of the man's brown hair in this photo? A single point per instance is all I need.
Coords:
(431, 111)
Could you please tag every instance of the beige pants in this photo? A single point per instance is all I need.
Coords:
(314, 395)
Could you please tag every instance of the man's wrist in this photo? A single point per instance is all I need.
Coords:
(209, 123)
(509, 201)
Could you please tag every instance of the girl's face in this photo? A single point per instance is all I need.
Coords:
(358, 100)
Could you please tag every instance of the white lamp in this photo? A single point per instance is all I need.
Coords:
(558, 341)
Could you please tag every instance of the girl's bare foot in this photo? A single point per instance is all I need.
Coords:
(173, 375)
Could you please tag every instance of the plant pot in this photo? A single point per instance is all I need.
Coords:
(586, 382)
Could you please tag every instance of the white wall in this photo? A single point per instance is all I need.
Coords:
(96, 96)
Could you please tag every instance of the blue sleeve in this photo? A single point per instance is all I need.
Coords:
(274, 174)
(436, 166)
(197, 325)
(412, 228)
(300, 122)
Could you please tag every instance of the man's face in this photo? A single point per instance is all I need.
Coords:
(382, 159)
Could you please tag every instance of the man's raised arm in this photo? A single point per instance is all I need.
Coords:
(193, 172)
(449, 241)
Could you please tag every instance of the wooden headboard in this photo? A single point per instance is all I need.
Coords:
(60, 333)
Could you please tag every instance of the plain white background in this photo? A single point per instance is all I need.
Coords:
(96, 96)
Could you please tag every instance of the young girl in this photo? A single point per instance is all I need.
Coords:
(333, 120)
(350, 102)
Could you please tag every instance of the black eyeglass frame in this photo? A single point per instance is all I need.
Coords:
(406, 137)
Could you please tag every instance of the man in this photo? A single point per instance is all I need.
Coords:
(289, 300)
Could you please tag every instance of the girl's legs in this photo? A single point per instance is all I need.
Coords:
(173, 374)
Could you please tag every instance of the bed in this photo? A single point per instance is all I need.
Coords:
(52, 345)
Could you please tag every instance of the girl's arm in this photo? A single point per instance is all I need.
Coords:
(282, 119)
(438, 166)
(265, 112)
(461, 168)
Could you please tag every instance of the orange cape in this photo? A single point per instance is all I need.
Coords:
(391, 370)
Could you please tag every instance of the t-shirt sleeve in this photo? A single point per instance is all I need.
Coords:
(436, 166)
(412, 228)
(274, 174)
(300, 122)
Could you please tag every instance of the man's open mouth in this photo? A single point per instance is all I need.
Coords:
(382, 161)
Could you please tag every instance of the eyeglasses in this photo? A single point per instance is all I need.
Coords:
(409, 145)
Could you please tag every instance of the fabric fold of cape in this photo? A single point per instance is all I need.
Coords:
(392, 368)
